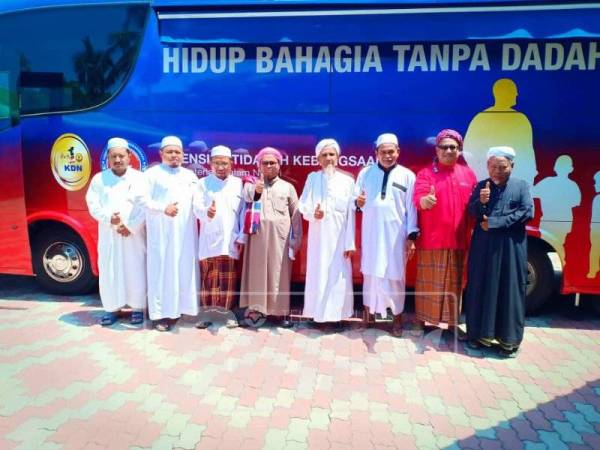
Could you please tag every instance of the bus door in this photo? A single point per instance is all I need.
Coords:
(15, 254)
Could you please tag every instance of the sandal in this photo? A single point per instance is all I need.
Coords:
(202, 324)
(137, 317)
(231, 323)
(109, 318)
(162, 325)
(396, 332)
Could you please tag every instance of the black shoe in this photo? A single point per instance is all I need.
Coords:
(137, 317)
(202, 324)
(508, 353)
(479, 343)
(474, 344)
(286, 324)
(459, 334)
(109, 318)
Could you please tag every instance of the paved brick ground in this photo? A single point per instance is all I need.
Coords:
(66, 382)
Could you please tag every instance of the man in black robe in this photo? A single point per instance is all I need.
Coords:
(497, 272)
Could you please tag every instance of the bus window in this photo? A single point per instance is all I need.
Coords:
(73, 58)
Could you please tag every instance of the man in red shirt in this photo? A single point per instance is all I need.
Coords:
(441, 195)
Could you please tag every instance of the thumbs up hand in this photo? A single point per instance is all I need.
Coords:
(361, 200)
(115, 219)
(428, 201)
(260, 184)
(485, 224)
(171, 210)
(484, 194)
(319, 214)
(123, 231)
(212, 210)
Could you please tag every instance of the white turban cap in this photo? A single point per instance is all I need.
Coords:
(386, 138)
(220, 150)
(502, 151)
(171, 140)
(327, 143)
(117, 142)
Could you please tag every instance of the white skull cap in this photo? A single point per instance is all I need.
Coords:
(327, 143)
(220, 150)
(501, 151)
(117, 142)
(171, 140)
(386, 138)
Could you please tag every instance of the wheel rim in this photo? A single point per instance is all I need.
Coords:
(532, 278)
(63, 262)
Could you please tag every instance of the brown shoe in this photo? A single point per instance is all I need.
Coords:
(397, 326)
(368, 319)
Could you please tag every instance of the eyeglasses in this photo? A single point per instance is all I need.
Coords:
(269, 163)
(448, 147)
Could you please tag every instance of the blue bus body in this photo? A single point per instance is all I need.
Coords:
(288, 73)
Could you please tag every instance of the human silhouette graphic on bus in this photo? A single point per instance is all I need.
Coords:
(557, 213)
(595, 231)
(498, 125)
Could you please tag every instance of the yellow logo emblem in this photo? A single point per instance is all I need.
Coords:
(70, 161)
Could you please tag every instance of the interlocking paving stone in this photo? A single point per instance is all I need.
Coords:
(66, 382)
(553, 440)
(298, 430)
(538, 420)
(319, 419)
(489, 444)
(593, 440)
(424, 436)
(591, 415)
(579, 422)
(509, 439)
(551, 412)
(567, 432)
(535, 446)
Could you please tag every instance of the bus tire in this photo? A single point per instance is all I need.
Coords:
(61, 262)
(541, 282)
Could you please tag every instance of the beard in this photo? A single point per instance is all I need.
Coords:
(329, 170)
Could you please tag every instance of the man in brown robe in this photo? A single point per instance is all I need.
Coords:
(269, 251)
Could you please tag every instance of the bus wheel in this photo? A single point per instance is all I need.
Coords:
(540, 279)
(61, 262)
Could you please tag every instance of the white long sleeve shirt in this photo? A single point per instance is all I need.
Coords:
(219, 234)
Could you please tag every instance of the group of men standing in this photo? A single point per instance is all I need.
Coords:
(433, 214)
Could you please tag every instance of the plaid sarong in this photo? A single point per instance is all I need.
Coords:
(438, 286)
(219, 279)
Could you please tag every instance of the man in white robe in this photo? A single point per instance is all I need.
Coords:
(121, 234)
(172, 232)
(327, 203)
(389, 228)
(219, 207)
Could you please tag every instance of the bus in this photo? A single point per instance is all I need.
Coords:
(287, 73)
